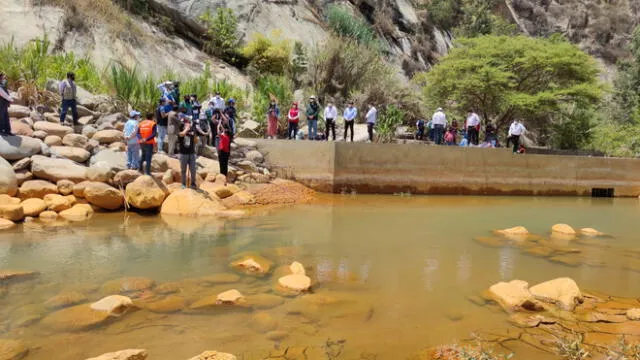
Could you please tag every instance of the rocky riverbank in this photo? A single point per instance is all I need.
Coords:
(50, 171)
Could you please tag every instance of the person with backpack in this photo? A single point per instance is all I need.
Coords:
(230, 114)
(294, 119)
(147, 132)
(68, 91)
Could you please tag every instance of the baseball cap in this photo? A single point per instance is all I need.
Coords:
(134, 113)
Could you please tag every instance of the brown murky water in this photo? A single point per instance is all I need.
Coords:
(398, 271)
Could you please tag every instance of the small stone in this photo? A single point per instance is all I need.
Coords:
(633, 314)
(297, 268)
(114, 305)
(230, 297)
(591, 232)
(255, 265)
(563, 229)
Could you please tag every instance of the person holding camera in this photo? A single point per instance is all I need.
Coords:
(187, 149)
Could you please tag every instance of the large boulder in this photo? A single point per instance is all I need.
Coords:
(162, 163)
(125, 177)
(254, 156)
(117, 160)
(93, 102)
(129, 354)
(514, 296)
(8, 181)
(13, 212)
(33, 207)
(249, 129)
(53, 128)
(19, 147)
(72, 153)
(37, 189)
(19, 111)
(146, 193)
(57, 203)
(89, 131)
(111, 120)
(188, 202)
(78, 212)
(76, 140)
(563, 292)
(103, 196)
(57, 169)
(108, 136)
(100, 172)
(21, 128)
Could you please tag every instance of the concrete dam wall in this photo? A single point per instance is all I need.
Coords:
(422, 169)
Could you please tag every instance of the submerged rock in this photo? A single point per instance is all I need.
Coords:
(65, 299)
(514, 296)
(127, 284)
(114, 305)
(10, 275)
(262, 322)
(76, 318)
(129, 354)
(13, 212)
(222, 278)
(264, 301)
(591, 232)
(6, 224)
(563, 292)
(12, 349)
(170, 304)
(214, 355)
(254, 265)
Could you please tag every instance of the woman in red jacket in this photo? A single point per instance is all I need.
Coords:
(224, 151)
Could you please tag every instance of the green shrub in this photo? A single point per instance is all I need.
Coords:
(445, 14)
(222, 32)
(299, 63)
(268, 87)
(267, 56)
(389, 119)
(347, 24)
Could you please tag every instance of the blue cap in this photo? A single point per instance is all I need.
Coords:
(231, 100)
(133, 114)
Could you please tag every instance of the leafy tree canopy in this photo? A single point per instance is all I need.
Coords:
(507, 77)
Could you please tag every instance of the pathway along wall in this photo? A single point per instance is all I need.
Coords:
(423, 169)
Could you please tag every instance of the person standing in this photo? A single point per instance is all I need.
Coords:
(439, 121)
(313, 109)
(147, 132)
(371, 117)
(5, 102)
(349, 115)
(168, 94)
(294, 119)
(162, 112)
(330, 116)
(515, 131)
(202, 131)
(231, 114)
(273, 114)
(186, 104)
(224, 151)
(187, 148)
(419, 129)
(218, 101)
(195, 106)
(173, 128)
(68, 92)
(130, 133)
(472, 124)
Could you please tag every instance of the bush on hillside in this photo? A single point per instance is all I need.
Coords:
(445, 14)
(267, 56)
(349, 25)
(222, 33)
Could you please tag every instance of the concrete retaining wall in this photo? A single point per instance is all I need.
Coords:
(423, 169)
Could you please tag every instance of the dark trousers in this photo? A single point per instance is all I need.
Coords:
(348, 125)
(293, 130)
(5, 123)
(370, 131)
(330, 126)
(438, 133)
(145, 161)
(420, 133)
(472, 134)
(516, 142)
(66, 104)
(223, 159)
(188, 160)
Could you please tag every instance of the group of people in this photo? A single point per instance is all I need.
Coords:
(441, 132)
(185, 128)
(312, 115)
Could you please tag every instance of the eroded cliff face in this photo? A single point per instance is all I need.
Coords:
(601, 28)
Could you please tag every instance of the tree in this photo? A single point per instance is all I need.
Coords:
(268, 56)
(222, 32)
(513, 77)
(299, 63)
(627, 85)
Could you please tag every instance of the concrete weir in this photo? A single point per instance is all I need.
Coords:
(421, 169)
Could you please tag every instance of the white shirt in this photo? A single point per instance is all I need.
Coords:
(330, 112)
(439, 118)
(473, 120)
(516, 129)
(371, 116)
(350, 113)
(218, 102)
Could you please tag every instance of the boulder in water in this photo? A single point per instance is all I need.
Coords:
(514, 296)
(13, 212)
(146, 193)
(563, 229)
(103, 196)
(57, 202)
(76, 318)
(563, 292)
(6, 224)
(230, 297)
(33, 207)
(114, 305)
(591, 232)
(189, 202)
(255, 265)
(78, 212)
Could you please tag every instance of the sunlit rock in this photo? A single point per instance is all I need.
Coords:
(633, 314)
(129, 354)
(293, 284)
(254, 265)
(230, 297)
(563, 292)
(297, 268)
(591, 232)
(114, 305)
(563, 229)
(78, 212)
(514, 296)
(13, 349)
